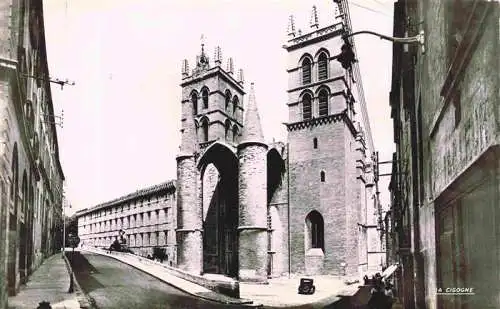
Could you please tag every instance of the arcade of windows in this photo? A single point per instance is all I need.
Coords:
(231, 108)
(307, 98)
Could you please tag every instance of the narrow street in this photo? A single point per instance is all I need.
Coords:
(112, 284)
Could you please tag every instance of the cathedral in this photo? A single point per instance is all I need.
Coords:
(252, 210)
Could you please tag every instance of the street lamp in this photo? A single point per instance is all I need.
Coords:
(347, 57)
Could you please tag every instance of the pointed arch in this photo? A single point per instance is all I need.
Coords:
(320, 51)
(306, 99)
(315, 229)
(227, 97)
(221, 155)
(194, 101)
(204, 96)
(275, 171)
(323, 101)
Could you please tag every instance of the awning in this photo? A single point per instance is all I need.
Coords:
(390, 271)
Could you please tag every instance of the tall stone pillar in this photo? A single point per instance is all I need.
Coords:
(189, 223)
(189, 212)
(252, 187)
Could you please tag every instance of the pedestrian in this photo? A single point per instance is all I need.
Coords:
(389, 295)
(377, 298)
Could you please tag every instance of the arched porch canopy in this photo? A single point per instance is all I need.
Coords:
(275, 171)
(222, 156)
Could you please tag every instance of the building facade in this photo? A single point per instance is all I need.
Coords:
(31, 177)
(252, 210)
(145, 218)
(445, 184)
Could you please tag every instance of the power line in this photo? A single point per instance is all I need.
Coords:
(370, 9)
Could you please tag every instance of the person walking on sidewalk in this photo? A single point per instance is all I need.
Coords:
(377, 299)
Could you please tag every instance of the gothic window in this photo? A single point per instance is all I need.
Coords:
(315, 230)
(306, 71)
(323, 102)
(235, 133)
(194, 101)
(235, 104)
(306, 107)
(322, 176)
(315, 143)
(204, 128)
(228, 98)
(204, 96)
(228, 130)
(322, 66)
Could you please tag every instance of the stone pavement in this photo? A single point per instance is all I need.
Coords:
(280, 292)
(50, 282)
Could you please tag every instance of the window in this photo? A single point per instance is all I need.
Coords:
(228, 98)
(235, 104)
(227, 130)
(323, 103)
(204, 129)
(204, 96)
(235, 133)
(322, 176)
(315, 230)
(322, 66)
(306, 107)
(306, 71)
(315, 143)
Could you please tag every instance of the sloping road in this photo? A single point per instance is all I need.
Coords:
(112, 284)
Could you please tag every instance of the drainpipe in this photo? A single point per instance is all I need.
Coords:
(288, 209)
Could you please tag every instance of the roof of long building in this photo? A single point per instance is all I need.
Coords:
(168, 186)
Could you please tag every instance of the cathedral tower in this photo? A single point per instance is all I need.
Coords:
(216, 97)
(325, 198)
(207, 166)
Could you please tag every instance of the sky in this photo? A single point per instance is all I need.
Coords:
(122, 117)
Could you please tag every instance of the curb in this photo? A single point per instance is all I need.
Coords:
(85, 301)
(247, 303)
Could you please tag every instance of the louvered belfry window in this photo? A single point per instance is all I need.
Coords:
(322, 67)
(306, 107)
(323, 103)
(306, 71)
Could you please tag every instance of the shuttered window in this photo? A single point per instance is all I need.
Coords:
(322, 67)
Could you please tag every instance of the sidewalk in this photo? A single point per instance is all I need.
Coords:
(50, 282)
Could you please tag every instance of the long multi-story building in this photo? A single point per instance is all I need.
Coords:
(31, 177)
(145, 218)
(445, 104)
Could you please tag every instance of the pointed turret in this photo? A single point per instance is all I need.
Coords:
(252, 129)
(189, 140)
(252, 187)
